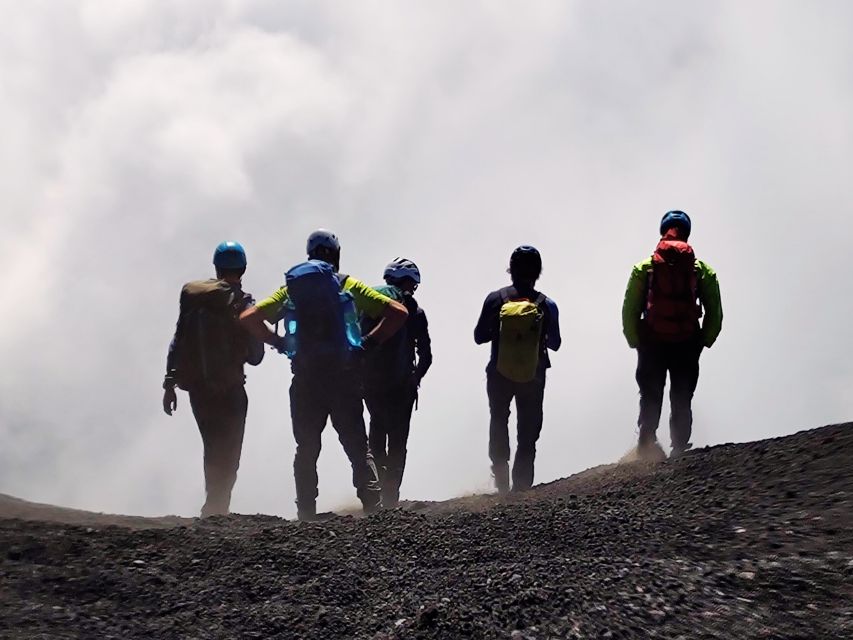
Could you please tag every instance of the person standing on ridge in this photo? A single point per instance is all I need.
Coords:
(319, 307)
(661, 314)
(522, 324)
(392, 376)
(206, 358)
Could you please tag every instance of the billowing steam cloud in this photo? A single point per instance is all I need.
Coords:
(137, 135)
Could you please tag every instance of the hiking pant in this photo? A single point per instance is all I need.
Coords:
(313, 400)
(528, 402)
(390, 417)
(654, 360)
(221, 419)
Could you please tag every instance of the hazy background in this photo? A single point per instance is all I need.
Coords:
(136, 135)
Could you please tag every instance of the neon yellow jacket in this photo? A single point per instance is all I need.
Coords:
(635, 302)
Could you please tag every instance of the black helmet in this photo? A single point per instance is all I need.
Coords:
(322, 239)
(525, 263)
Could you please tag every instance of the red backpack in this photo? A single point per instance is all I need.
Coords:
(672, 301)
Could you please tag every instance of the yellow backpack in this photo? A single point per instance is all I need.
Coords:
(520, 337)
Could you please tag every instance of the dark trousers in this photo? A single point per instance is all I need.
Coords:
(221, 418)
(313, 400)
(528, 402)
(390, 418)
(654, 360)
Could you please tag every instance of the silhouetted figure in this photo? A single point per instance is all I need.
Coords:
(319, 307)
(664, 301)
(522, 324)
(392, 377)
(206, 358)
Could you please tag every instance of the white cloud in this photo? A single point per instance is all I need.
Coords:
(139, 135)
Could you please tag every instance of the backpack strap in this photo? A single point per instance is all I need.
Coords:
(342, 279)
(540, 300)
(507, 294)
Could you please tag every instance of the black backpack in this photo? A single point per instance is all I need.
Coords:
(393, 362)
(210, 347)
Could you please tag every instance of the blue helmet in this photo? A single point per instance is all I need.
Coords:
(400, 268)
(673, 219)
(229, 255)
(321, 238)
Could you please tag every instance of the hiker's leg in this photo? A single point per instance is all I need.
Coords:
(683, 378)
(308, 411)
(401, 404)
(528, 400)
(500, 392)
(380, 418)
(204, 411)
(347, 413)
(228, 426)
(651, 379)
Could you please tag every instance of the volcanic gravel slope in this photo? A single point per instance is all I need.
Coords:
(736, 541)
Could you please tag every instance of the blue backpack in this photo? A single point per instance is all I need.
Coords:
(320, 318)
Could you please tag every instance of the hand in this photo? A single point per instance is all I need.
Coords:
(170, 400)
(368, 342)
(280, 344)
(414, 385)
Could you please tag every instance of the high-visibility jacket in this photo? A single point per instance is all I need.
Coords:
(635, 302)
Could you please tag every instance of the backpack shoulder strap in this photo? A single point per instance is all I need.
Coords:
(342, 278)
(506, 294)
(540, 300)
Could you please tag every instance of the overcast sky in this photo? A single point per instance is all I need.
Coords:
(136, 135)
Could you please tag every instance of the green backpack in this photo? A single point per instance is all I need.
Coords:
(520, 337)
(211, 348)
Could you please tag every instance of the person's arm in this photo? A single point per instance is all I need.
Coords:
(390, 322)
(709, 295)
(254, 351)
(632, 306)
(553, 340)
(170, 397)
(423, 345)
(391, 315)
(254, 319)
(488, 324)
(254, 346)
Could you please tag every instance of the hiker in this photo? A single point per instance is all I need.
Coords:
(319, 307)
(206, 358)
(392, 376)
(522, 324)
(661, 314)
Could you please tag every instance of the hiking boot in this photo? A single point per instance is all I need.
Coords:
(390, 497)
(209, 510)
(371, 500)
(500, 471)
(306, 512)
(679, 450)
